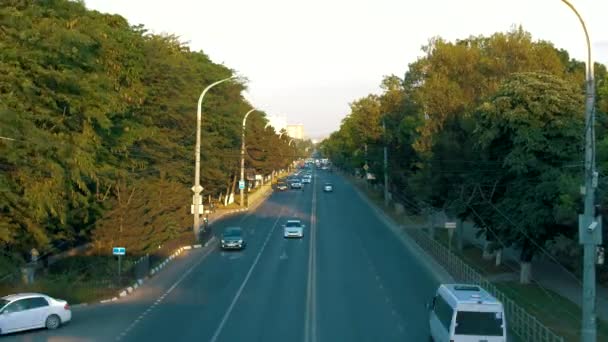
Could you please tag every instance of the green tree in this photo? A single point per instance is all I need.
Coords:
(530, 130)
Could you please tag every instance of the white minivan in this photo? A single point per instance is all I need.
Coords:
(466, 313)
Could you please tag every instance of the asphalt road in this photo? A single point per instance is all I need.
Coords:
(348, 279)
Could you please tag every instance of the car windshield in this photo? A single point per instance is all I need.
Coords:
(479, 323)
(328, 184)
(232, 232)
(293, 225)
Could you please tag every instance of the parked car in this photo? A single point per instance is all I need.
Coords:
(293, 228)
(282, 186)
(233, 238)
(462, 313)
(27, 311)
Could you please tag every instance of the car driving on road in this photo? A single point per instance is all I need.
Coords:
(328, 187)
(293, 228)
(233, 238)
(296, 184)
(281, 186)
(27, 311)
(463, 312)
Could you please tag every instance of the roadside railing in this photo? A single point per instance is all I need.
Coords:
(520, 322)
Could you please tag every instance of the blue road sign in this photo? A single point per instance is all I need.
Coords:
(119, 251)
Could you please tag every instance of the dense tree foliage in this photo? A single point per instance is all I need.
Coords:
(103, 117)
(488, 129)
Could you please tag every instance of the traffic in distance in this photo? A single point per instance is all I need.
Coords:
(456, 313)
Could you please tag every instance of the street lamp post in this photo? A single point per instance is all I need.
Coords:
(242, 182)
(197, 188)
(590, 227)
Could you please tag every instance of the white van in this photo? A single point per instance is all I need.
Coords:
(466, 313)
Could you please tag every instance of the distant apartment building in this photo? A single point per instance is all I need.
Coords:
(296, 131)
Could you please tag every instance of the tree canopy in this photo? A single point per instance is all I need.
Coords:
(103, 117)
(484, 128)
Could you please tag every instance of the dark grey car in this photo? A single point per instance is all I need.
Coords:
(233, 238)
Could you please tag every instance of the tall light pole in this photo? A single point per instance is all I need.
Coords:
(590, 227)
(385, 165)
(242, 182)
(197, 188)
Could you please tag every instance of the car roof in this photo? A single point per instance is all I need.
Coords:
(17, 296)
(467, 293)
(294, 220)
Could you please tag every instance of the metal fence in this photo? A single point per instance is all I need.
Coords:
(524, 325)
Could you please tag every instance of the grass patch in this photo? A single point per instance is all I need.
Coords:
(556, 312)
(472, 255)
(65, 288)
(77, 279)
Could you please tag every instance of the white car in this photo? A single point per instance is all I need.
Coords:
(328, 187)
(296, 184)
(27, 311)
(307, 180)
(293, 228)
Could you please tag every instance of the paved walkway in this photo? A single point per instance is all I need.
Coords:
(555, 278)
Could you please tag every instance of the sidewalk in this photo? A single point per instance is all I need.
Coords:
(555, 278)
(548, 274)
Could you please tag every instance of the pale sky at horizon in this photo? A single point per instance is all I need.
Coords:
(307, 60)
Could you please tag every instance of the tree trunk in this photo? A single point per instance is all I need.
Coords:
(231, 191)
(487, 255)
(498, 257)
(527, 252)
(525, 275)
(459, 234)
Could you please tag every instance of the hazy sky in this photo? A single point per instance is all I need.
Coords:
(307, 60)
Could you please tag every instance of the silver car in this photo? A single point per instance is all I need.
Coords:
(293, 228)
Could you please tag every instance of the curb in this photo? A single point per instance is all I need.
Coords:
(436, 269)
(132, 289)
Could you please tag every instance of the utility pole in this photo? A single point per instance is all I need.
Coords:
(242, 182)
(385, 166)
(590, 227)
(366, 168)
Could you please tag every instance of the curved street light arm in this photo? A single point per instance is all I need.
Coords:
(197, 189)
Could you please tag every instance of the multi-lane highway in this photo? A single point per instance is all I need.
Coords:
(349, 279)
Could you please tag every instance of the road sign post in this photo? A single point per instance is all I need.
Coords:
(450, 226)
(119, 251)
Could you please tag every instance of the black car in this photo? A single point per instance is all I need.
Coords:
(233, 238)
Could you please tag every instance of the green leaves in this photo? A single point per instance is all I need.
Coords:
(98, 106)
(486, 128)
